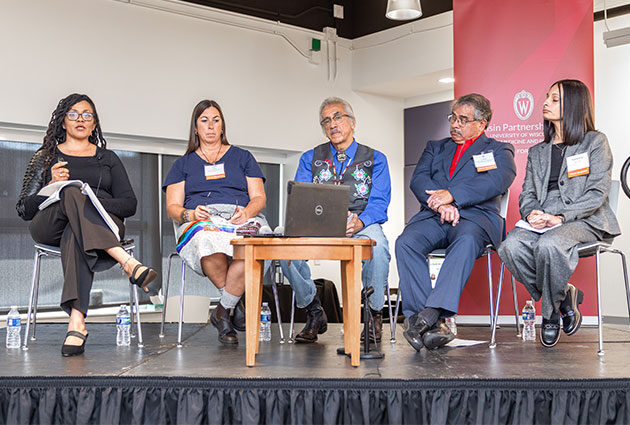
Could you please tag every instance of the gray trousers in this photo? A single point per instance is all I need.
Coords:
(545, 262)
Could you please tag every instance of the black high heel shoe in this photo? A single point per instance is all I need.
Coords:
(74, 350)
(144, 279)
(571, 315)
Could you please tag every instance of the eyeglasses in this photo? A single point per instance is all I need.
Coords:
(73, 116)
(226, 215)
(462, 120)
(336, 118)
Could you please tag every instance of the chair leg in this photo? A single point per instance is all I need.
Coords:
(137, 306)
(275, 297)
(168, 280)
(291, 340)
(392, 319)
(516, 322)
(625, 278)
(397, 304)
(131, 311)
(495, 320)
(490, 289)
(35, 301)
(599, 307)
(34, 283)
(181, 305)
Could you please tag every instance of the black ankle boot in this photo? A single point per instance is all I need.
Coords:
(220, 319)
(316, 323)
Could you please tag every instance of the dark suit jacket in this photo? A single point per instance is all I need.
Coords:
(583, 197)
(478, 195)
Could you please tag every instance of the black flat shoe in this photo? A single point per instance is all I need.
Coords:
(415, 328)
(549, 332)
(220, 319)
(571, 315)
(238, 317)
(74, 350)
(143, 280)
(438, 336)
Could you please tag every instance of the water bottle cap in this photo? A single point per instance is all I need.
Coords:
(528, 302)
(265, 304)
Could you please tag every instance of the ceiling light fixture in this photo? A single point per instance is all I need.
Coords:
(403, 10)
(446, 80)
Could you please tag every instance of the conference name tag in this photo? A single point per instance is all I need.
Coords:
(214, 172)
(484, 162)
(578, 165)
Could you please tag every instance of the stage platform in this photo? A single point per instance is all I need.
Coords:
(205, 381)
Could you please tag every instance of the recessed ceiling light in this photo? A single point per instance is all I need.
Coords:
(446, 80)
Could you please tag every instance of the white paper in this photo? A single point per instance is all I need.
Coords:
(525, 225)
(464, 342)
(53, 191)
(435, 264)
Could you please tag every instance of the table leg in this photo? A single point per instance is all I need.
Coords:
(344, 299)
(353, 300)
(253, 274)
(260, 266)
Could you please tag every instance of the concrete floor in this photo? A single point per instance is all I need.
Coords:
(202, 355)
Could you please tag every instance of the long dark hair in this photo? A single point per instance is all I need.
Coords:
(193, 137)
(577, 112)
(56, 133)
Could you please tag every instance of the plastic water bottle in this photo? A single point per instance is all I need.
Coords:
(529, 322)
(450, 322)
(265, 323)
(14, 326)
(123, 325)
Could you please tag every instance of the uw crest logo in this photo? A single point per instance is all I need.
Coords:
(523, 104)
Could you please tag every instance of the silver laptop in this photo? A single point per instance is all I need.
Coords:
(316, 209)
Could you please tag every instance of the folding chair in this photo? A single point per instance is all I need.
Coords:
(42, 250)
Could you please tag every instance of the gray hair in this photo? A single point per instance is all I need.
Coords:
(479, 102)
(337, 101)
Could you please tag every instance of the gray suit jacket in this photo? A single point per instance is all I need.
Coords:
(583, 197)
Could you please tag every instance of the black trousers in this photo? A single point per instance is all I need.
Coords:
(74, 225)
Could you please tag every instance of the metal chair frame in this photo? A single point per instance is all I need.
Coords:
(595, 249)
(42, 250)
(181, 299)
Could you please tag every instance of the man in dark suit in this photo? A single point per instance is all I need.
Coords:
(459, 182)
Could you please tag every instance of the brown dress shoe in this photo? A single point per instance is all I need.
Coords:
(220, 319)
(316, 323)
(376, 323)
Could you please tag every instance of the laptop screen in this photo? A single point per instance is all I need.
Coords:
(316, 209)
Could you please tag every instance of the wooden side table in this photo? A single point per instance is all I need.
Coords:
(349, 251)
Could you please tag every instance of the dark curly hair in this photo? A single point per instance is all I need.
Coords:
(56, 133)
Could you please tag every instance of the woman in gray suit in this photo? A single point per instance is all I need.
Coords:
(566, 185)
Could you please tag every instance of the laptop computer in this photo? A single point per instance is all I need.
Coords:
(319, 210)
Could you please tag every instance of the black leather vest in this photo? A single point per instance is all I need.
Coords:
(358, 175)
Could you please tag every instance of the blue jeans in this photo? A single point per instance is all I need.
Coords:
(374, 272)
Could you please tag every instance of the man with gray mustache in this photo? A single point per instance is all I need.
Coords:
(459, 182)
(341, 160)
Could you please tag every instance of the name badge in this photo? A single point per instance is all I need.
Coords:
(484, 162)
(578, 165)
(214, 172)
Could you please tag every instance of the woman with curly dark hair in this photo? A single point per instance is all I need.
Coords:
(74, 149)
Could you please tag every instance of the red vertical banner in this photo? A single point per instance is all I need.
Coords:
(511, 52)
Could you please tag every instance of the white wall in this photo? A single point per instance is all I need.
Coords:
(146, 69)
(612, 91)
